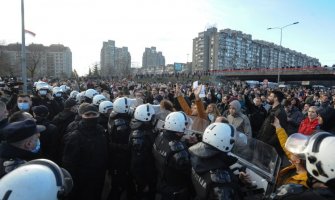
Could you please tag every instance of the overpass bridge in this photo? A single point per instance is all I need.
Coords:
(286, 74)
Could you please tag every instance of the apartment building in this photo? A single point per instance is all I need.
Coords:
(152, 58)
(231, 49)
(114, 61)
(51, 61)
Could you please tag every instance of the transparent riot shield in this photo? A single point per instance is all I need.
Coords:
(261, 162)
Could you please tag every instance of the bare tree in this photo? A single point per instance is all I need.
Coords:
(5, 69)
(34, 58)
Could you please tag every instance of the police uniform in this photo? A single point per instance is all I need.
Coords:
(211, 176)
(119, 131)
(173, 166)
(142, 164)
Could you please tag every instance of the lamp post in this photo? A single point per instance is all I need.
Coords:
(281, 37)
(23, 52)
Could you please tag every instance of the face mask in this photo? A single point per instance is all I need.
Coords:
(90, 122)
(58, 94)
(23, 106)
(42, 92)
(37, 147)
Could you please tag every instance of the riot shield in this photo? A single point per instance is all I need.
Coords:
(262, 162)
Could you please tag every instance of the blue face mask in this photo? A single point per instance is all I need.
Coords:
(23, 106)
(38, 146)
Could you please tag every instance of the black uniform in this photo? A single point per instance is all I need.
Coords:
(103, 121)
(173, 166)
(142, 163)
(119, 131)
(211, 176)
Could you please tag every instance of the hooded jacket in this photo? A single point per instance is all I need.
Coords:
(240, 121)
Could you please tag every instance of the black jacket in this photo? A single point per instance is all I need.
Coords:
(256, 114)
(3, 123)
(10, 152)
(49, 140)
(63, 119)
(267, 132)
(52, 105)
(86, 158)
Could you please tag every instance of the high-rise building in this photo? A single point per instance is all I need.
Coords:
(52, 61)
(153, 59)
(114, 61)
(230, 49)
(59, 58)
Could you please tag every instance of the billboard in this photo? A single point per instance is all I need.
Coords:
(178, 67)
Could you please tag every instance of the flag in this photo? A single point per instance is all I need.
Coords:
(29, 32)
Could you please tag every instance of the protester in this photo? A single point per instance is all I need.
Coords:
(22, 144)
(86, 155)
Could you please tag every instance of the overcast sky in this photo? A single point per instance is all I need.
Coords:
(169, 25)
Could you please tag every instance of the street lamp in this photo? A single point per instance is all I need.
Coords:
(23, 52)
(281, 37)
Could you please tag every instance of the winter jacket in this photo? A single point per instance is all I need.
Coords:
(307, 127)
(288, 174)
(267, 132)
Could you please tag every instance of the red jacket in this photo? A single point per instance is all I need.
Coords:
(307, 127)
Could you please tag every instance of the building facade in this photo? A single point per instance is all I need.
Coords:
(153, 59)
(114, 61)
(230, 49)
(51, 61)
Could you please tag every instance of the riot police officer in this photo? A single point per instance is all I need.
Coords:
(172, 159)
(142, 165)
(211, 174)
(119, 131)
(320, 167)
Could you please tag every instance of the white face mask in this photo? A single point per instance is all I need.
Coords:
(42, 92)
(58, 94)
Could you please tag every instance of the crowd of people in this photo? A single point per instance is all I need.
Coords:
(104, 136)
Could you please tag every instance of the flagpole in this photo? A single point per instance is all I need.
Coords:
(23, 52)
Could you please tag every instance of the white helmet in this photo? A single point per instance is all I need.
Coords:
(42, 86)
(64, 88)
(144, 112)
(222, 136)
(90, 93)
(121, 105)
(73, 94)
(97, 99)
(319, 153)
(57, 91)
(105, 106)
(80, 97)
(38, 179)
(176, 121)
